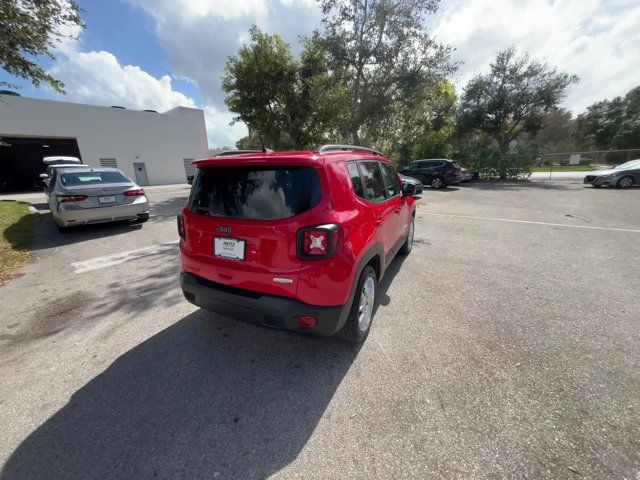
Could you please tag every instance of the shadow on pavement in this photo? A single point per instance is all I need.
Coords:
(205, 395)
(167, 209)
(47, 235)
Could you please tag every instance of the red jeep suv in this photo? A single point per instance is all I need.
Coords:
(294, 240)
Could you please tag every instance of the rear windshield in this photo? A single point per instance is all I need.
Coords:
(268, 193)
(73, 179)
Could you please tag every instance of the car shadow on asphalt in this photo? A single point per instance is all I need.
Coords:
(206, 395)
(47, 235)
(167, 209)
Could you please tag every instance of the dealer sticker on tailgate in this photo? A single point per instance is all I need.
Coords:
(228, 248)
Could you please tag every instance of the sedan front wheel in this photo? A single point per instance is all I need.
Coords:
(625, 182)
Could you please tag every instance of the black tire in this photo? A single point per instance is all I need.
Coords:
(406, 247)
(63, 229)
(437, 182)
(597, 186)
(351, 331)
(625, 182)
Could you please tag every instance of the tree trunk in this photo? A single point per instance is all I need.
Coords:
(503, 145)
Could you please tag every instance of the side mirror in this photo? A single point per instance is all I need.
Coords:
(408, 189)
(43, 176)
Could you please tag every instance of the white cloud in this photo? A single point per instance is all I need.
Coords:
(199, 35)
(594, 39)
(98, 78)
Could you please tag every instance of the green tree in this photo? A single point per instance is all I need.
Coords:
(556, 133)
(385, 55)
(289, 102)
(513, 98)
(32, 28)
(611, 124)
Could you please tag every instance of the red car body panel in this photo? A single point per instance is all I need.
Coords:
(270, 250)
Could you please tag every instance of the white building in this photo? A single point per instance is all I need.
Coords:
(152, 148)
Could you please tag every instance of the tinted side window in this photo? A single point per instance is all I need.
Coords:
(390, 180)
(356, 181)
(373, 183)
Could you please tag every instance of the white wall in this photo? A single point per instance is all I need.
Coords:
(160, 140)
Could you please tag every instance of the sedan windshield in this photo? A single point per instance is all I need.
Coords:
(631, 164)
(73, 179)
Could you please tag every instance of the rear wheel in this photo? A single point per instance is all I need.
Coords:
(625, 182)
(406, 246)
(436, 182)
(358, 323)
(63, 229)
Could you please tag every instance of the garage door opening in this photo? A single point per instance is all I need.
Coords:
(21, 159)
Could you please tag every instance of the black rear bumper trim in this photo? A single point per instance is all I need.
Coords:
(254, 307)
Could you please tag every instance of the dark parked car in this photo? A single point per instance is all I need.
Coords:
(623, 176)
(436, 173)
(413, 181)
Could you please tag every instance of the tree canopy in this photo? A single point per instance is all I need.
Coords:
(289, 102)
(513, 97)
(611, 124)
(386, 56)
(32, 28)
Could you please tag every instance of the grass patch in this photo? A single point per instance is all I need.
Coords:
(17, 233)
(568, 168)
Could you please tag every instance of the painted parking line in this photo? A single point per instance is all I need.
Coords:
(122, 257)
(530, 222)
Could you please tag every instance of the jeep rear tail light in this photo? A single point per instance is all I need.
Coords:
(134, 193)
(451, 170)
(71, 198)
(181, 231)
(317, 242)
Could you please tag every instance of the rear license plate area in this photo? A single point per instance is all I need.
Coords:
(232, 248)
(107, 199)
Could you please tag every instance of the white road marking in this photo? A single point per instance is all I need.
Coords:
(589, 227)
(122, 257)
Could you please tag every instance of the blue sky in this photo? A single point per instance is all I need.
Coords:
(163, 53)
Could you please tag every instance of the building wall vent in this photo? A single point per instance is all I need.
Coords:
(108, 162)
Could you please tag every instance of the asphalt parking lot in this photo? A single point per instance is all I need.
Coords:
(506, 345)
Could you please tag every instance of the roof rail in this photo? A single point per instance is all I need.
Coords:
(346, 148)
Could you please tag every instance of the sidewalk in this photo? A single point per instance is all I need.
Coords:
(559, 175)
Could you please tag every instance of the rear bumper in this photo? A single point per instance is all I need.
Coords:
(261, 309)
(69, 216)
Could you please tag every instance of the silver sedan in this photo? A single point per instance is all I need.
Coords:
(87, 195)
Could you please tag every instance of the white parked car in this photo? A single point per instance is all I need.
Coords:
(87, 195)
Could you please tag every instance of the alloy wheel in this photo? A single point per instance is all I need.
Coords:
(367, 300)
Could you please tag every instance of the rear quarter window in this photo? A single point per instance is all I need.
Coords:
(356, 180)
(256, 193)
(373, 182)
